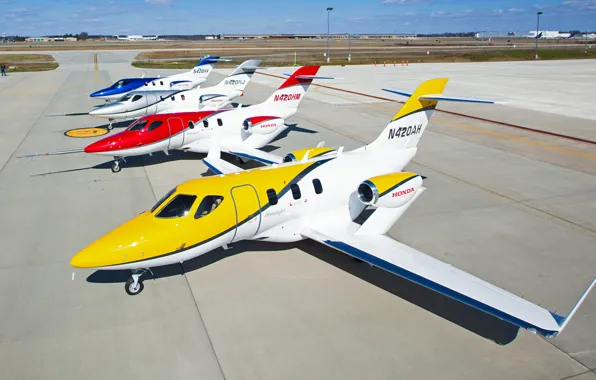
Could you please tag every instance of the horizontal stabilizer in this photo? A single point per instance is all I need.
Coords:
(303, 77)
(439, 97)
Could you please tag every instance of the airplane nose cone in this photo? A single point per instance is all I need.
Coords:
(96, 94)
(101, 146)
(96, 112)
(83, 259)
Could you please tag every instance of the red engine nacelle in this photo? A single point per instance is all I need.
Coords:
(262, 125)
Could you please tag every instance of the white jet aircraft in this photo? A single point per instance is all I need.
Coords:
(319, 194)
(146, 102)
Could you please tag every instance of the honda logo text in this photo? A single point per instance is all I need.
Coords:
(402, 192)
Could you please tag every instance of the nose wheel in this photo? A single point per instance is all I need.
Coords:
(110, 126)
(116, 166)
(134, 285)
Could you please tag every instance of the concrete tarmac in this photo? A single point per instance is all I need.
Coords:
(512, 207)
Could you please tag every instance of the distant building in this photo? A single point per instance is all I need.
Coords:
(36, 39)
(335, 36)
(550, 34)
(70, 39)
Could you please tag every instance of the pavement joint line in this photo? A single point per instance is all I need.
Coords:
(477, 129)
(194, 299)
(579, 139)
(41, 114)
(577, 374)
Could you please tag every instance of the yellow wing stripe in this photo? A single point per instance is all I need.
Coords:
(432, 86)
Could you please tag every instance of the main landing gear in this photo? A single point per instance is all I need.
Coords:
(116, 164)
(134, 285)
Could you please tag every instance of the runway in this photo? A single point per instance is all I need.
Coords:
(514, 207)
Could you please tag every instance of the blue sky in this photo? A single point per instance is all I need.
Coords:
(41, 17)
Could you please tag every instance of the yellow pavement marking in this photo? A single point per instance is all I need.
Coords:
(86, 132)
(94, 67)
(475, 129)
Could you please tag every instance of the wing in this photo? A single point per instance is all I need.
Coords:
(216, 164)
(253, 154)
(404, 261)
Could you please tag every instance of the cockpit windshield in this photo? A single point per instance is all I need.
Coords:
(125, 98)
(162, 200)
(138, 125)
(179, 206)
(120, 83)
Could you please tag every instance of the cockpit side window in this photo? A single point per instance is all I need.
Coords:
(179, 206)
(156, 124)
(136, 97)
(208, 205)
(138, 125)
(125, 98)
(163, 199)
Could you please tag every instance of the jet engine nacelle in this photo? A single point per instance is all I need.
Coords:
(309, 153)
(390, 190)
(262, 125)
(213, 101)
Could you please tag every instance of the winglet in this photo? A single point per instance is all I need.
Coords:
(563, 321)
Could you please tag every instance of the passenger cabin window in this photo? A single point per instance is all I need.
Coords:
(172, 98)
(136, 97)
(178, 207)
(161, 82)
(205, 124)
(272, 195)
(208, 205)
(295, 190)
(317, 185)
(156, 124)
(159, 202)
(138, 125)
(191, 125)
(219, 122)
(153, 83)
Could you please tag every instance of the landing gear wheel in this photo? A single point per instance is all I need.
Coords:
(110, 127)
(116, 166)
(132, 288)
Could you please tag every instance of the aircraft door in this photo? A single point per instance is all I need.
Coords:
(176, 130)
(248, 211)
(151, 104)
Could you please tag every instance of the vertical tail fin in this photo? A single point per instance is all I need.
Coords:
(408, 125)
(204, 67)
(291, 92)
(239, 78)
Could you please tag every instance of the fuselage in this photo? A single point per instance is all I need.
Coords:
(271, 203)
(192, 131)
(121, 87)
(140, 103)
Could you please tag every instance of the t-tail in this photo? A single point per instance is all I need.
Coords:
(291, 92)
(239, 78)
(204, 67)
(409, 123)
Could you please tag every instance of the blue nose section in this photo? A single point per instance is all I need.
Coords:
(98, 93)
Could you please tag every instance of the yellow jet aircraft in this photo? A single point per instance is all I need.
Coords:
(315, 193)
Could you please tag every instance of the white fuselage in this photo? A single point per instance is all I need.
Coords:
(340, 176)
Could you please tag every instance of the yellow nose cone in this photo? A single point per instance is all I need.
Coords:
(82, 259)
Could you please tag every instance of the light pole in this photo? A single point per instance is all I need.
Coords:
(537, 33)
(329, 9)
(350, 50)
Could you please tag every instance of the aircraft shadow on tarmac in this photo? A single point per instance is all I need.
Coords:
(471, 319)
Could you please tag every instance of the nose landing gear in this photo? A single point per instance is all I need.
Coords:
(110, 127)
(133, 285)
(116, 164)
